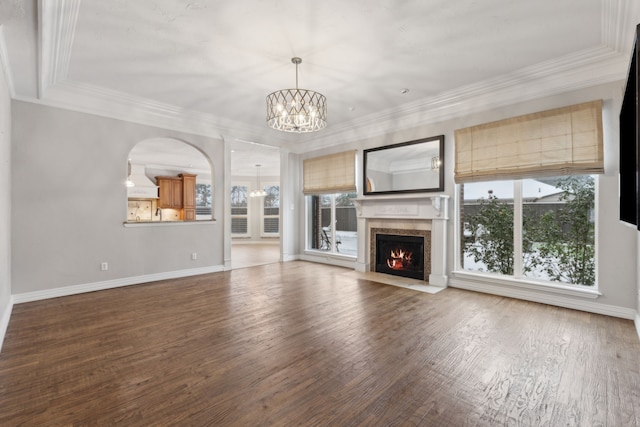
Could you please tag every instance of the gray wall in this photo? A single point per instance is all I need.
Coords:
(69, 203)
(616, 243)
(5, 205)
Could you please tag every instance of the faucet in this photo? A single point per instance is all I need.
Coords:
(159, 213)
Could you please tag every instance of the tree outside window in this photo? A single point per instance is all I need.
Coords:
(239, 212)
(557, 230)
(271, 210)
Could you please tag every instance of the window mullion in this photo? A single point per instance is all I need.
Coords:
(332, 223)
(517, 228)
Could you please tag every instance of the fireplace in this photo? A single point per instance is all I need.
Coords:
(390, 248)
(400, 255)
(416, 215)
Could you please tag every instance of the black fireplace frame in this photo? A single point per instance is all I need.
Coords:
(377, 229)
(414, 243)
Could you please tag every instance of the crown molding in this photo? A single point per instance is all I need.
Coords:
(619, 20)
(572, 72)
(56, 29)
(91, 99)
(602, 64)
(4, 63)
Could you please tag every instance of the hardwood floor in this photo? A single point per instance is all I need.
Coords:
(250, 254)
(307, 344)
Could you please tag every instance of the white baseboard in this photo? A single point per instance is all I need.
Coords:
(637, 322)
(329, 259)
(109, 284)
(556, 300)
(438, 280)
(4, 321)
(287, 257)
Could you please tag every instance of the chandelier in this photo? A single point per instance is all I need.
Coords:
(260, 191)
(296, 110)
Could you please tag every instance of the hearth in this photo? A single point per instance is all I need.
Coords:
(405, 215)
(400, 255)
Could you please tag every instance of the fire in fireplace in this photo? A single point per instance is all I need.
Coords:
(400, 255)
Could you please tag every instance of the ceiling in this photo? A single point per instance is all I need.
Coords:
(206, 67)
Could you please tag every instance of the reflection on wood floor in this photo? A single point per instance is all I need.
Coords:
(304, 344)
(249, 254)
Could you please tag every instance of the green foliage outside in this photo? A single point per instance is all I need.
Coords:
(492, 235)
(559, 242)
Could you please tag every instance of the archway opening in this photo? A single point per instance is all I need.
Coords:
(171, 181)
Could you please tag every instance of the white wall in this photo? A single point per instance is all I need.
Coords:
(5, 205)
(69, 204)
(637, 320)
(616, 243)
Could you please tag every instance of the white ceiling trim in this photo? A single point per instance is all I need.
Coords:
(573, 72)
(56, 28)
(4, 63)
(616, 33)
(57, 21)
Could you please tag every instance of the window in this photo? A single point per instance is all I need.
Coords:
(332, 223)
(271, 211)
(203, 199)
(239, 211)
(541, 229)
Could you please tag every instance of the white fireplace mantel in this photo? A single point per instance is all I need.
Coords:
(434, 209)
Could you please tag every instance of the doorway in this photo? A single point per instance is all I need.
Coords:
(255, 204)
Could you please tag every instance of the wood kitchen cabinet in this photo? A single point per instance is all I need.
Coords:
(169, 192)
(178, 192)
(188, 196)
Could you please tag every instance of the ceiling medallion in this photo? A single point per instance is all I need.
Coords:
(296, 110)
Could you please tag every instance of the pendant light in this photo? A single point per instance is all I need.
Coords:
(296, 110)
(260, 191)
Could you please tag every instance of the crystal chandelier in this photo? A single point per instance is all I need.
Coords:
(296, 110)
(260, 191)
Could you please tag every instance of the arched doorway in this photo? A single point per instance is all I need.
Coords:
(170, 158)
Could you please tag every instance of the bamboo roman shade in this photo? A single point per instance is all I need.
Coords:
(335, 173)
(563, 141)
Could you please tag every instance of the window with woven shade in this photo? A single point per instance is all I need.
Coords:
(562, 141)
(334, 173)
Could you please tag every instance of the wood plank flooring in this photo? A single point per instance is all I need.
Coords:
(303, 344)
(251, 254)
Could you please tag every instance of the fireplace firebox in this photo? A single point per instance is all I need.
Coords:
(400, 255)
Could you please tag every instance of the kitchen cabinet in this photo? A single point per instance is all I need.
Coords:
(188, 196)
(178, 192)
(170, 192)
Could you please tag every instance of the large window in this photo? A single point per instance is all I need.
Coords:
(541, 229)
(239, 211)
(332, 223)
(271, 211)
(203, 199)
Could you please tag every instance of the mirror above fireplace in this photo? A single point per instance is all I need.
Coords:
(408, 167)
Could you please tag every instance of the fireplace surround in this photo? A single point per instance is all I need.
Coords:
(405, 215)
(400, 252)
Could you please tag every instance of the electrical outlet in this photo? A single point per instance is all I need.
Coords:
(104, 266)
(194, 256)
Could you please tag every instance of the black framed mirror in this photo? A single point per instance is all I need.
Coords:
(408, 167)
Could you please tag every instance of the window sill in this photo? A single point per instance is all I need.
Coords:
(339, 260)
(492, 279)
(336, 255)
(137, 224)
